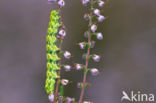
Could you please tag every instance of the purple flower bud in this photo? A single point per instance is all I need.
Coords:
(67, 68)
(84, 2)
(82, 45)
(62, 32)
(64, 82)
(96, 58)
(58, 36)
(92, 44)
(51, 1)
(84, 56)
(86, 16)
(97, 12)
(101, 18)
(63, 27)
(67, 55)
(101, 3)
(94, 72)
(93, 28)
(79, 85)
(78, 66)
(99, 36)
(69, 100)
(61, 3)
(51, 97)
(61, 99)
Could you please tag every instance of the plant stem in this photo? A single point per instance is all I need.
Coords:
(59, 63)
(85, 73)
(87, 57)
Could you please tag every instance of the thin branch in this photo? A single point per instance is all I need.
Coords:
(87, 59)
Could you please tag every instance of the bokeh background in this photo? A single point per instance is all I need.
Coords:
(128, 50)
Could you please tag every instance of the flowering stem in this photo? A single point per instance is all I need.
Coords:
(59, 63)
(87, 57)
(85, 73)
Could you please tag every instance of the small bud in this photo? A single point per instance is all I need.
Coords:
(101, 18)
(92, 44)
(84, 56)
(61, 3)
(93, 28)
(69, 100)
(61, 99)
(64, 82)
(84, 2)
(99, 36)
(94, 72)
(58, 36)
(97, 12)
(67, 55)
(86, 16)
(78, 66)
(51, 97)
(96, 58)
(82, 45)
(101, 3)
(79, 85)
(67, 68)
(62, 32)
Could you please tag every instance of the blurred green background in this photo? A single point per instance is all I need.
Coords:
(128, 50)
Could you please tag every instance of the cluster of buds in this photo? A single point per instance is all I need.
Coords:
(93, 17)
(94, 13)
(62, 32)
(100, 17)
(61, 3)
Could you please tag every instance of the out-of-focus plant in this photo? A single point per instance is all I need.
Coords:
(54, 85)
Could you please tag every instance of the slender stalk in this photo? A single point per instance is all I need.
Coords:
(85, 73)
(59, 63)
(87, 58)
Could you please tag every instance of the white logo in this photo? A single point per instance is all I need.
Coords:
(137, 97)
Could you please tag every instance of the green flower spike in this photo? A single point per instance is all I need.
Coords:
(52, 52)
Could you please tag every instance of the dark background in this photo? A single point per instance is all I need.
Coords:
(128, 50)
